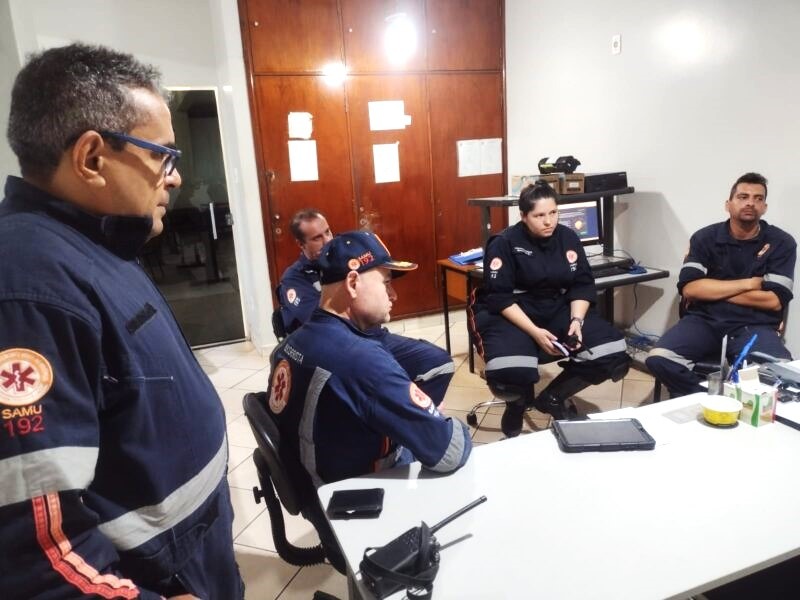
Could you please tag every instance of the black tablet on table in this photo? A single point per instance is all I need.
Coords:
(602, 435)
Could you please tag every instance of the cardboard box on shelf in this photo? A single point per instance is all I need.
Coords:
(572, 184)
(554, 179)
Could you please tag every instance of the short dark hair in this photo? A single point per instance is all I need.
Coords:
(755, 178)
(63, 92)
(300, 217)
(529, 196)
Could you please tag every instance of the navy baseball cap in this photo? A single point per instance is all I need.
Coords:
(356, 251)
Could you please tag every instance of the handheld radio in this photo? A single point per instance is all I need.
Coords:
(410, 560)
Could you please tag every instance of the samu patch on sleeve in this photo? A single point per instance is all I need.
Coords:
(292, 297)
(496, 263)
(421, 399)
(280, 387)
(25, 377)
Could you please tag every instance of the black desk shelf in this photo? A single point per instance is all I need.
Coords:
(607, 203)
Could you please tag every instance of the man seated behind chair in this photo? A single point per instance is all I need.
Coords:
(341, 402)
(737, 281)
(299, 293)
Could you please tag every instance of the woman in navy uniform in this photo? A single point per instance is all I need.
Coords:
(538, 289)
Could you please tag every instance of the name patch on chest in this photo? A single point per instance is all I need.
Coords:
(147, 312)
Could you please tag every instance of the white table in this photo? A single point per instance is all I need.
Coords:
(706, 507)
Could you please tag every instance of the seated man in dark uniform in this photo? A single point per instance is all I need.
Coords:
(737, 281)
(344, 406)
(299, 292)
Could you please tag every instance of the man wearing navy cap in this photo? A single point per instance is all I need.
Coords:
(343, 404)
(430, 367)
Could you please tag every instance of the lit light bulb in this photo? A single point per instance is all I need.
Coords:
(400, 39)
(334, 73)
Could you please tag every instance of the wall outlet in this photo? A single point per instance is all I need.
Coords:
(616, 44)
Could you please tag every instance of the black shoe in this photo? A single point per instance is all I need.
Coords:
(557, 408)
(511, 421)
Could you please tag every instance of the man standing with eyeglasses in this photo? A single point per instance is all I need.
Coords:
(113, 453)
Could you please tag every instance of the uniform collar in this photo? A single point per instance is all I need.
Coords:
(307, 265)
(724, 233)
(123, 235)
(541, 242)
(352, 326)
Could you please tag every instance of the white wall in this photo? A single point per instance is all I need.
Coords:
(703, 91)
(9, 65)
(195, 44)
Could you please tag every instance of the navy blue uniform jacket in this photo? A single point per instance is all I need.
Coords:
(714, 253)
(112, 439)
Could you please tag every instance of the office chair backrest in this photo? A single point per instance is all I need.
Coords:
(268, 439)
(278, 327)
(273, 474)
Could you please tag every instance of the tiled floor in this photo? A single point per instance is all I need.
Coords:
(239, 368)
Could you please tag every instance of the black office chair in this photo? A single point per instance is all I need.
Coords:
(278, 328)
(274, 477)
(277, 324)
(472, 416)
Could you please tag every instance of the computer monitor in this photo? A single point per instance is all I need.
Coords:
(583, 217)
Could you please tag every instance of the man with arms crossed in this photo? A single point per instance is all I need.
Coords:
(737, 281)
(113, 454)
(430, 367)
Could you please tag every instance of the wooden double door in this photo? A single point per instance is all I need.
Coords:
(424, 215)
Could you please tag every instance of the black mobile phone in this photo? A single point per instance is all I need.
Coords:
(356, 504)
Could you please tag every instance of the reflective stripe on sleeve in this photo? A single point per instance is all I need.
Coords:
(43, 472)
(454, 455)
(136, 527)
(781, 280)
(71, 566)
(695, 265)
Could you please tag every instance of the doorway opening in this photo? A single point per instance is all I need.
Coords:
(193, 261)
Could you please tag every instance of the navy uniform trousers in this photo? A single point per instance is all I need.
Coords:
(695, 338)
(513, 357)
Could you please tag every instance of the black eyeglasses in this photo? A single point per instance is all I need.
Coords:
(172, 154)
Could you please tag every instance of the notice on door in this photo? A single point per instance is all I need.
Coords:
(303, 160)
(386, 158)
(300, 125)
(385, 115)
(480, 157)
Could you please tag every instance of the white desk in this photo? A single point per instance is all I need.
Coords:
(620, 525)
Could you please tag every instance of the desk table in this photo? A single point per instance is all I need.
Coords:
(705, 507)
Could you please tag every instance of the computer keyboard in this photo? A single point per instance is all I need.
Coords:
(609, 272)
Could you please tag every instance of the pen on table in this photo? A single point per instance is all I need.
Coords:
(734, 375)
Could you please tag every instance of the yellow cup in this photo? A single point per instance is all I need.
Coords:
(721, 410)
